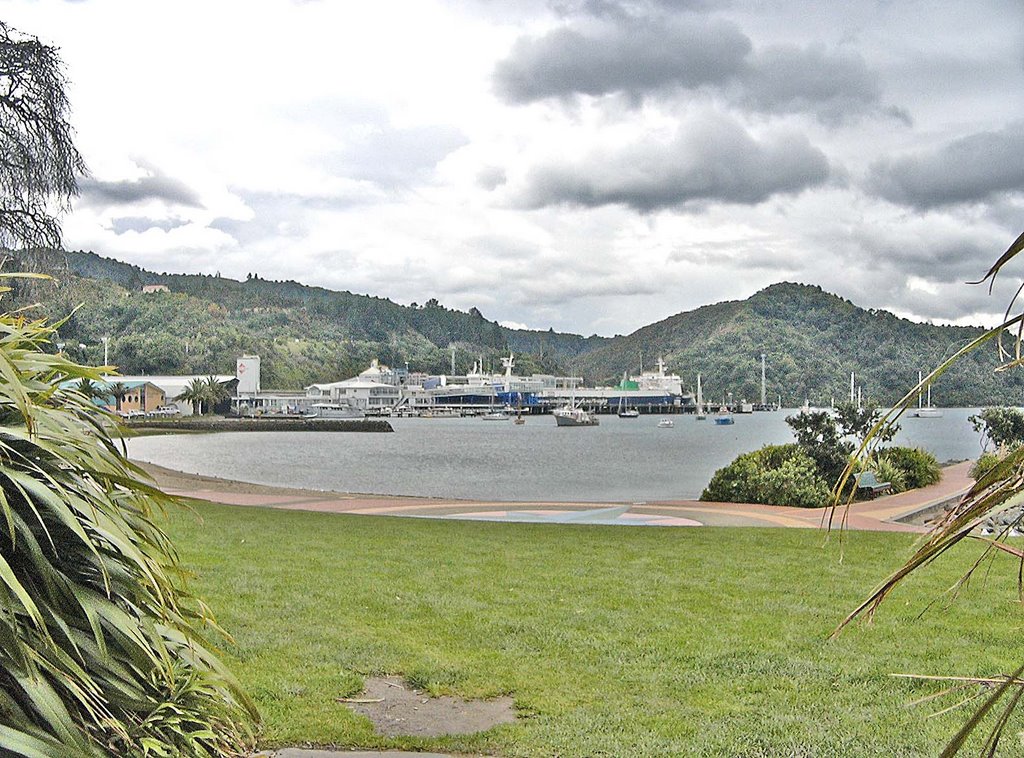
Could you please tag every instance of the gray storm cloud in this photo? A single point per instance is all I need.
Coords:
(974, 168)
(155, 186)
(636, 58)
(714, 160)
(790, 79)
(643, 57)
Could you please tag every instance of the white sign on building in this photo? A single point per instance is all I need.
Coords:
(247, 369)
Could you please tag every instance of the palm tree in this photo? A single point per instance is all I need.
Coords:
(216, 392)
(89, 388)
(118, 390)
(196, 393)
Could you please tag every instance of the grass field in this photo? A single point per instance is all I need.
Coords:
(614, 641)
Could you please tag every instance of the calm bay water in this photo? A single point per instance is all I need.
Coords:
(620, 460)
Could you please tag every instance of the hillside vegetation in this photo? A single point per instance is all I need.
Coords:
(813, 340)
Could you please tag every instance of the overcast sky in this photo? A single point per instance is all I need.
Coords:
(587, 165)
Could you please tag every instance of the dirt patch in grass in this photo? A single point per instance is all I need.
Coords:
(395, 709)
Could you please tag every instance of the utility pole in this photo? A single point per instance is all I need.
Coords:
(763, 397)
(106, 347)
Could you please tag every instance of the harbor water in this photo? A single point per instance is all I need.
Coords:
(622, 460)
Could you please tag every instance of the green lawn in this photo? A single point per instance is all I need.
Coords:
(614, 641)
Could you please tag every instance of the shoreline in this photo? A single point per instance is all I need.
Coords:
(883, 514)
(172, 479)
(222, 424)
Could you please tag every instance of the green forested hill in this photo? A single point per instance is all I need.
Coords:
(813, 340)
(304, 334)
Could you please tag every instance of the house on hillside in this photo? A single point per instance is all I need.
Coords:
(148, 288)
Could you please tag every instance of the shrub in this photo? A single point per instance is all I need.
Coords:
(887, 471)
(103, 648)
(773, 475)
(919, 467)
(985, 463)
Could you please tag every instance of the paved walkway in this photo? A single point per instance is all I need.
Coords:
(881, 514)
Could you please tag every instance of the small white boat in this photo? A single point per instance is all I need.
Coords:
(666, 423)
(496, 416)
(573, 416)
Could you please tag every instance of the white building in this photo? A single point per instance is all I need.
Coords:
(374, 391)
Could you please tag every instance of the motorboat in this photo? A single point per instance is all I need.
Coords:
(666, 423)
(571, 415)
(724, 417)
(496, 416)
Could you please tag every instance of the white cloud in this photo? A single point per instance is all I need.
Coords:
(366, 146)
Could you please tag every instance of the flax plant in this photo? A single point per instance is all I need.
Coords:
(999, 490)
(101, 646)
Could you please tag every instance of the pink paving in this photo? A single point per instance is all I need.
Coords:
(882, 514)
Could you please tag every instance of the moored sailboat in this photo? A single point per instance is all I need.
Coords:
(928, 410)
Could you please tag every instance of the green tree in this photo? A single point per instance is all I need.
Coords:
(118, 390)
(89, 388)
(41, 164)
(1002, 426)
(818, 434)
(216, 392)
(826, 438)
(195, 392)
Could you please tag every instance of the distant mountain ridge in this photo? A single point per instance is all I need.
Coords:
(812, 339)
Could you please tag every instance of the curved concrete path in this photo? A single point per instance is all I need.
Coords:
(883, 514)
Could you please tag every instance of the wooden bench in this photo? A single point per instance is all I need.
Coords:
(866, 480)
